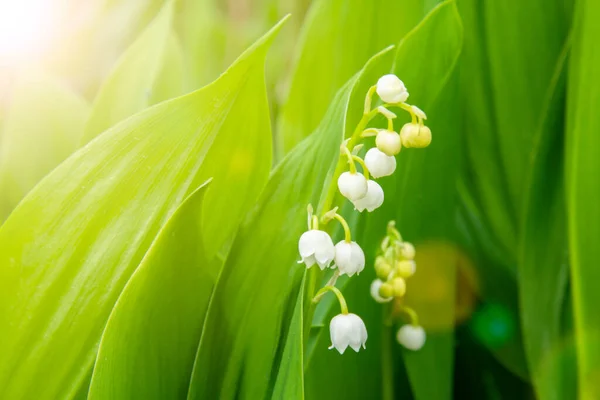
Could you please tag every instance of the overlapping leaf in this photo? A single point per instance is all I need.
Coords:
(70, 247)
(583, 193)
(162, 307)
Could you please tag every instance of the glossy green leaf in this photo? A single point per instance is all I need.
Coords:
(338, 37)
(162, 307)
(544, 268)
(128, 88)
(70, 247)
(42, 127)
(583, 193)
(289, 383)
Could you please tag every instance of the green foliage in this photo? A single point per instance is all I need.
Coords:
(162, 307)
(110, 199)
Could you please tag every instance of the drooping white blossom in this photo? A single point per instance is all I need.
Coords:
(353, 186)
(388, 142)
(372, 200)
(347, 330)
(349, 258)
(412, 337)
(391, 89)
(375, 286)
(379, 164)
(316, 247)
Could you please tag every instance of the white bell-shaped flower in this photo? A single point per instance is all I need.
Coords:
(379, 163)
(375, 286)
(353, 186)
(391, 89)
(316, 247)
(388, 142)
(347, 330)
(373, 198)
(349, 258)
(415, 135)
(412, 337)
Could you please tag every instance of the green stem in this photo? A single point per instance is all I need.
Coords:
(338, 294)
(354, 139)
(363, 165)
(387, 362)
(412, 315)
(347, 232)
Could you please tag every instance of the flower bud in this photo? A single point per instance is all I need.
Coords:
(375, 288)
(408, 251)
(386, 290)
(406, 268)
(388, 142)
(349, 258)
(399, 287)
(316, 246)
(382, 268)
(372, 200)
(415, 135)
(347, 330)
(379, 163)
(391, 89)
(353, 186)
(412, 337)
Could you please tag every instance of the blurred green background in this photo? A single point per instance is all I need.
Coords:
(504, 207)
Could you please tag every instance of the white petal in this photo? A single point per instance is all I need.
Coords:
(324, 250)
(391, 89)
(373, 199)
(379, 164)
(388, 142)
(412, 337)
(352, 186)
(349, 258)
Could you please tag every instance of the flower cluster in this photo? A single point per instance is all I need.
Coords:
(347, 257)
(393, 266)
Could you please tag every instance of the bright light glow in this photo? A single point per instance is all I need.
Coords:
(27, 28)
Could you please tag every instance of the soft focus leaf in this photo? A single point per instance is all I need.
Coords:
(128, 88)
(583, 193)
(169, 81)
(543, 268)
(162, 307)
(42, 127)
(338, 37)
(69, 248)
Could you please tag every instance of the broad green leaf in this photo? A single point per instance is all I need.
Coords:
(583, 193)
(162, 307)
(42, 127)
(543, 267)
(70, 247)
(289, 383)
(128, 88)
(338, 37)
(531, 36)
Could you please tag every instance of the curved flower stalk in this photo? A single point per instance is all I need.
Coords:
(315, 245)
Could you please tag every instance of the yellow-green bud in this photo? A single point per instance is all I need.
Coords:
(388, 142)
(399, 286)
(406, 268)
(408, 251)
(415, 135)
(386, 290)
(382, 269)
